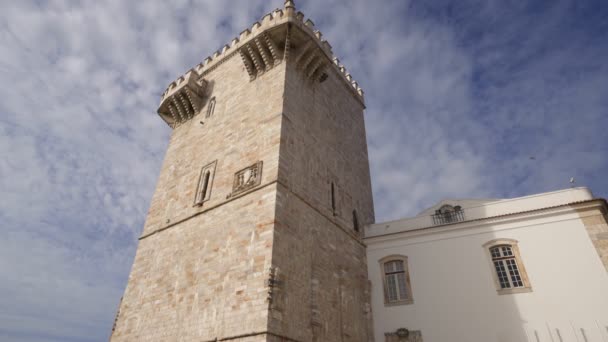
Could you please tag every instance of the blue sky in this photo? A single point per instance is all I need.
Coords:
(460, 95)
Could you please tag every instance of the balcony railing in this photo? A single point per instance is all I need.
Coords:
(448, 217)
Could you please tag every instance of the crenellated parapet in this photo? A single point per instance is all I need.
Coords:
(281, 35)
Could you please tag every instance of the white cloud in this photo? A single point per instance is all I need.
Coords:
(452, 112)
(84, 147)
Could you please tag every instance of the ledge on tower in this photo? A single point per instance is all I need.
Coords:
(183, 99)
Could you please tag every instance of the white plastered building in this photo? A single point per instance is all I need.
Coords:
(532, 268)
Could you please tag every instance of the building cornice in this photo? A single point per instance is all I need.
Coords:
(568, 208)
(491, 209)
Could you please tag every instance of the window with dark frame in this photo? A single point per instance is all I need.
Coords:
(507, 269)
(507, 266)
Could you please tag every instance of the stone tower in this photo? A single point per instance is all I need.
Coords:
(254, 230)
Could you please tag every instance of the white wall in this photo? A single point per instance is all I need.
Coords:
(455, 296)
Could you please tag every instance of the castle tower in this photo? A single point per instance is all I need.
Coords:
(254, 230)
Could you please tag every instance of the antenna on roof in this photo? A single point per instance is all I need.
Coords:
(572, 182)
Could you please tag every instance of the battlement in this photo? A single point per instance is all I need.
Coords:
(282, 34)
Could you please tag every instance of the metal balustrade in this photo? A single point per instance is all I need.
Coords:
(448, 217)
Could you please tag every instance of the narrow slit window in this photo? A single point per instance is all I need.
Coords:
(205, 184)
(333, 199)
(211, 108)
(355, 221)
(203, 191)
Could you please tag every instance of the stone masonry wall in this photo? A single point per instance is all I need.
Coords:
(244, 129)
(204, 278)
(596, 223)
(323, 292)
(200, 272)
(323, 140)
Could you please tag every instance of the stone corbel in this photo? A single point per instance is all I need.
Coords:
(183, 99)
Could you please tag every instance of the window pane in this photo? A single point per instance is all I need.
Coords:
(502, 274)
(392, 287)
(398, 265)
(402, 286)
(393, 266)
(507, 251)
(514, 273)
(495, 252)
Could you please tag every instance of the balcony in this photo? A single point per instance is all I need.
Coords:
(448, 216)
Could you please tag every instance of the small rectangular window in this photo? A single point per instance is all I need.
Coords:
(504, 261)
